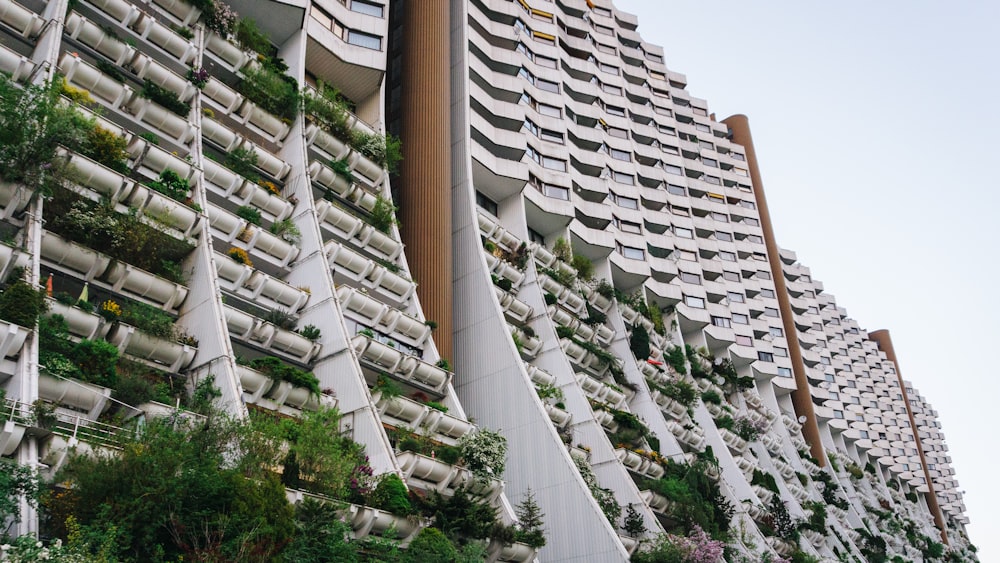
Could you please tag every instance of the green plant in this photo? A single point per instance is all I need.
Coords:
(443, 364)
(34, 123)
(633, 524)
(551, 299)
(164, 97)
(564, 332)
(250, 37)
(243, 161)
(549, 391)
(21, 304)
(390, 494)
(278, 370)
(310, 332)
(16, 481)
(96, 361)
(383, 214)
(281, 318)
(604, 497)
(711, 396)
(436, 406)
(217, 16)
(584, 267)
(152, 138)
(639, 342)
(287, 230)
(677, 360)
(148, 319)
(605, 289)
(329, 110)
(271, 90)
(384, 150)
(198, 76)
(343, 169)
(185, 32)
(249, 213)
(562, 250)
(431, 546)
(485, 453)
(239, 255)
(529, 519)
(106, 148)
(171, 185)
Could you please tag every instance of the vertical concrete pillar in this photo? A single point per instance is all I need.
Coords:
(801, 397)
(425, 173)
(884, 341)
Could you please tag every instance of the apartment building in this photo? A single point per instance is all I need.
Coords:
(591, 244)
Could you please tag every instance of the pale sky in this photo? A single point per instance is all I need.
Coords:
(875, 125)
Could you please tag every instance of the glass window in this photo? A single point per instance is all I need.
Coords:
(696, 302)
(785, 372)
(730, 276)
(615, 110)
(766, 292)
(364, 7)
(780, 352)
(676, 190)
(744, 340)
(671, 169)
(770, 312)
(735, 297)
(722, 321)
(728, 257)
(740, 318)
(366, 40)
(761, 274)
(723, 236)
(620, 155)
(553, 163)
(776, 331)
(765, 356)
(547, 85)
(622, 178)
(628, 226)
(632, 252)
(687, 255)
(688, 277)
(683, 233)
(486, 203)
(626, 202)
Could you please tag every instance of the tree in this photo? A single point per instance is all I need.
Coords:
(16, 481)
(634, 525)
(529, 517)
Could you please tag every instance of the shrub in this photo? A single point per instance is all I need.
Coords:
(21, 304)
(561, 250)
(529, 518)
(343, 169)
(383, 214)
(287, 231)
(243, 162)
(250, 213)
(171, 185)
(250, 38)
(384, 150)
(330, 111)
(639, 342)
(107, 148)
(148, 319)
(96, 360)
(711, 396)
(164, 97)
(485, 453)
(390, 494)
(219, 17)
(310, 332)
(430, 546)
(584, 267)
(551, 299)
(272, 91)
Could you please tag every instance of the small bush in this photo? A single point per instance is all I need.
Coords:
(250, 213)
(21, 304)
(243, 162)
(96, 360)
(166, 98)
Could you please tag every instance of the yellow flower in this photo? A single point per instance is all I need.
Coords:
(111, 308)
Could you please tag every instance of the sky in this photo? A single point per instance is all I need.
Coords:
(875, 124)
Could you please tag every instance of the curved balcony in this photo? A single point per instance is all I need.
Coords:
(163, 210)
(83, 75)
(139, 345)
(372, 521)
(184, 12)
(227, 98)
(389, 319)
(91, 35)
(23, 20)
(285, 341)
(228, 53)
(81, 323)
(273, 128)
(147, 68)
(407, 368)
(75, 257)
(157, 33)
(126, 278)
(161, 119)
(559, 417)
(366, 271)
(76, 395)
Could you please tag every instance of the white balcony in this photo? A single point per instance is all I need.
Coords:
(164, 352)
(83, 75)
(90, 34)
(80, 259)
(378, 314)
(23, 20)
(185, 13)
(326, 177)
(272, 127)
(14, 63)
(168, 123)
(230, 54)
(558, 416)
(368, 272)
(407, 368)
(80, 322)
(372, 521)
(429, 473)
(126, 278)
(147, 68)
(164, 210)
(285, 341)
(97, 177)
(275, 290)
(539, 376)
(227, 98)
(76, 395)
(156, 33)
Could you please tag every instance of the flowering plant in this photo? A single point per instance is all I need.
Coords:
(485, 453)
(110, 310)
(221, 18)
(270, 187)
(198, 77)
(750, 430)
(240, 255)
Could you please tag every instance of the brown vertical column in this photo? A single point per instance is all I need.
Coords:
(884, 341)
(425, 173)
(801, 398)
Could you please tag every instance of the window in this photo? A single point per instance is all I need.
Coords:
(785, 372)
(687, 255)
(741, 319)
(728, 257)
(688, 277)
(616, 132)
(775, 331)
(744, 340)
(735, 297)
(622, 178)
(366, 40)
(696, 302)
(755, 239)
(620, 155)
(751, 221)
(615, 110)
(551, 136)
(683, 233)
(765, 356)
(610, 69)
(628, 226)
(549, 190)
(547, 85)
(370, 8)
(603, 29)
(720, 217)
(838, 414)
(486, 203)
(863, 434)
(546, 61)
(781, 352)
(730, 276)
(631, 252)
(671, 169)
(766, 292)
(723, 236)
(553, 163)
(761, 274)
(626, 202)
(710, 162)
(676, 190)
(722, 321)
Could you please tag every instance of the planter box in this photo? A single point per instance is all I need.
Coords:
(119, 10)
(240, 324)
(223, 136)
(90, 34)
(185, 13)
(272, 127)
(515, 552)
(272, 245)
(98, 177)
(140, 345)
(268, 162)
(377, 522)
(326, 142)
(146, 67)
(15, 63)
(252, 194)
(292, 343)
(168, 123)
(11, 434)
(291, 298)
(254, 383)
(84, 76)
(79, 259)
(629, 459)
(227, 52)
(448, 428)
(407, 411)
(80, 322)
(128, 278)
(342, 222)
(377, 353)
(164, 210)
(76, 395)
(438, 474)
(165, 38)
(326, 177)
(424, 373)
(558, 416)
